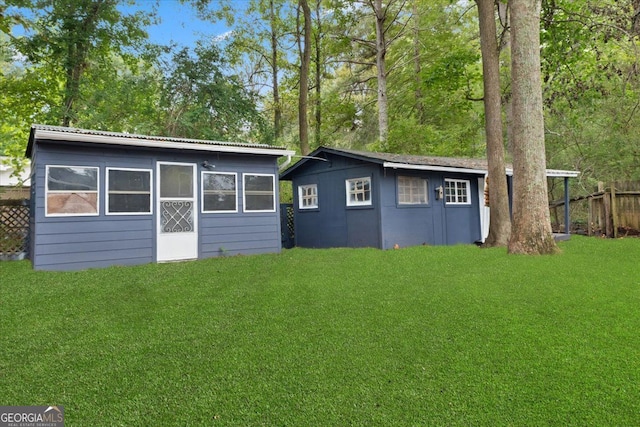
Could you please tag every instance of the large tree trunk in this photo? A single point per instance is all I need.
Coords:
(417, 65)
(77, 53)
(319, 72)
(500, 219)
(531, 233)
(277, 108)
(381, 53)
(303, 124)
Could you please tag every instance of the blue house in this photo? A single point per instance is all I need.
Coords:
(103, 198)
(348, 198)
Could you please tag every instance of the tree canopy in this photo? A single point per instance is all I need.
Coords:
(402, 76)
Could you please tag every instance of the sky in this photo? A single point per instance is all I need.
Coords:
(180, 24)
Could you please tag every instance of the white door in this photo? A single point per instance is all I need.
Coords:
(177, 212)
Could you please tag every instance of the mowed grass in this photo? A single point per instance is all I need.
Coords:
(362, 337)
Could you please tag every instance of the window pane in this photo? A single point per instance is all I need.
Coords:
(213, 202)
(412, 190)
(219, 192)
(258, 183)
(129, 191)
(359, 191)
(136, 203)
(72, 178)
(457, 191)
(308, 195)
(72, 203)
(259, 203)
(259, 194)
(176, 181)
(129, 180)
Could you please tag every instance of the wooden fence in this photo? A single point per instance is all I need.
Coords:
(14, 228)
(615, 209)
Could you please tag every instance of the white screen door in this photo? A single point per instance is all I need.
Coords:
(177, 213)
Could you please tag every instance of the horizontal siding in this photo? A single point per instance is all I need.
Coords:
(95, 226)
(72, 243)
(240, 220)
(86, 244)
(90, 247)
(88, 259)
(77, 237)
(99, 262)
(239, 247)
(239, 234)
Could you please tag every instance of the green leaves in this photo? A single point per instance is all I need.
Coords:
(199, 101)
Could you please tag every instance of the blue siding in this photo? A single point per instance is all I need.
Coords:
(80, 242)
(436, 223)
(409, 225)
(385, 223)
(334, 224)
(463, 221)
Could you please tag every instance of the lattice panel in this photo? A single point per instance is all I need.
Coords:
(14, 227)
(176, 216)
(290, 224)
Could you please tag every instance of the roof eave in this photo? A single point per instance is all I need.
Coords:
(55, 135)
(393, 165)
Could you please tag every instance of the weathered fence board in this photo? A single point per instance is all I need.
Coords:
(614, 209)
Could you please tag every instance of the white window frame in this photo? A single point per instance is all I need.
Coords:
(48, 192)
(150, 192)
(202, 191)
(456, 198)
(304, 195)
(421, 194)
(244, 192)
(349, 192)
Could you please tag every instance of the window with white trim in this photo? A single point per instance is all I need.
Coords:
(412, 190)
(219, 192)
(259, 193)
(71, 190)
(128, 191)
(456, 192)
(308, 196)
(358, 191)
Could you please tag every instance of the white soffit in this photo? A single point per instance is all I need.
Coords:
(433, 168)
(551, 173)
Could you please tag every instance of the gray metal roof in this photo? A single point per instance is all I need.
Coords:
(407, 161)
(452, 162)
(95, 136)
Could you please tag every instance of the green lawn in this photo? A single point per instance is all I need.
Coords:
(417, 336)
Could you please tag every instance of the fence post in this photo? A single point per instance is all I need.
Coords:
(606, 202)
(614, 211)
(590, 217)
(567, 220)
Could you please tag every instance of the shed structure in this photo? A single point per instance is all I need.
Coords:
(103, 198)
(349, 198)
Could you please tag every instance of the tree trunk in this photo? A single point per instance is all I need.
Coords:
(77, 53)
(303, 124)
(319, 72)
(417, 65)
(381, 53)
(277, 108)
(531, 232)
(500, 219)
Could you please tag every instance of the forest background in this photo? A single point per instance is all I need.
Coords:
(401, 76)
